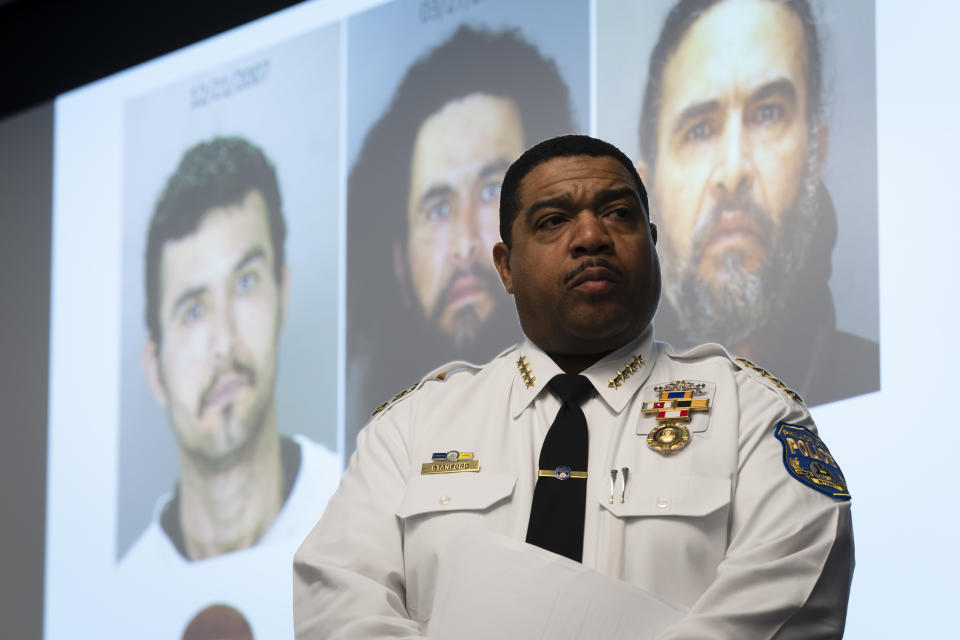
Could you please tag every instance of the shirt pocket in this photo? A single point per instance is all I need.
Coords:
(454, 492)
(670, 533)
(434, 510)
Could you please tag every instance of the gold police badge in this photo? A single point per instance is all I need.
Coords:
(669, 437)
(676, 402)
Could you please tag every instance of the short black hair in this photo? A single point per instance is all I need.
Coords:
(559, 147)
(217, 173)
(675, 27)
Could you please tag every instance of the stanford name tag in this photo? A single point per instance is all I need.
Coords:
(460, 466)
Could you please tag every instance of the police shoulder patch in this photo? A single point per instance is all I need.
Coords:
(808, 460)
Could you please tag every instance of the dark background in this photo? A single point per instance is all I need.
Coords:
(52, 46)
(49, 47)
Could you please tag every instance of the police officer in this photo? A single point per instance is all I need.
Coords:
(696, 477)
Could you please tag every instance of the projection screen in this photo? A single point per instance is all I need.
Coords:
(322, 285)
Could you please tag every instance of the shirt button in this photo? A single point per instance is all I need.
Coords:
(663, 503)
(444, 500)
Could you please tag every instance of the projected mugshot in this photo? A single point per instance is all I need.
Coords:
(733, 136)
(436, 158)
(227, 422)
(459, 156)
(217, 287)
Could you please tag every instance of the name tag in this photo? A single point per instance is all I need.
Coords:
(460, 466)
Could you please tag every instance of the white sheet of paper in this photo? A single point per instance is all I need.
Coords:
(491, 586)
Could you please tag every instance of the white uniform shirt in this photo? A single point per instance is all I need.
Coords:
(719, 529)
(159, 591)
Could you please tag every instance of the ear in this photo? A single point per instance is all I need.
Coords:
(401, 273)
(653, 233)
(823, 140)
(150, 360)
(501, 258)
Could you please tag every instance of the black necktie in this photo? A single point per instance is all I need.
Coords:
(560, 497)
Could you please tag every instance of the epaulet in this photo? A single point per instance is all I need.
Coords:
(440, 374)
(766, 375)
(704, 350)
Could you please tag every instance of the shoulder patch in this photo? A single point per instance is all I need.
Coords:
(808, 460)
(776, 381)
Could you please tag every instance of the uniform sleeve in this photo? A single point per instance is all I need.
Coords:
(348, 575)
(789, 561)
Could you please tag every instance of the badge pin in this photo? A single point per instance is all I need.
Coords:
(453, 455)
(668, 438)
(695, 388)
(677, 402)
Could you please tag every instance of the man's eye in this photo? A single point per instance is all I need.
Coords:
(699, 131)
(548, 222)
(768, 113)
(490, 192)
(622, 213)
(439, 211)
(246, 282)
(192, 314)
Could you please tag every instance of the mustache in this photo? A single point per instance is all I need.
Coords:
(489, 279)
(591, 262)
(746, 205)
(243, 371)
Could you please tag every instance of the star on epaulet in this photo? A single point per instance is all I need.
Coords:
(776, 381)
(629, 368)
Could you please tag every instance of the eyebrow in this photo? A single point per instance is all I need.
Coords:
(695, 112)
(781, 86)
(252, 254)
(500, 165)
(497, 166)
(435, 192)
(600, 198)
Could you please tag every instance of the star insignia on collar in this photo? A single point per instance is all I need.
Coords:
(526, 374)
(629, 368)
